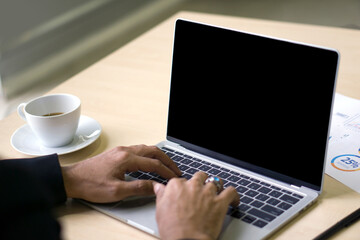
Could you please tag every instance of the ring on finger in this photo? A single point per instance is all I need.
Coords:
(216, 181)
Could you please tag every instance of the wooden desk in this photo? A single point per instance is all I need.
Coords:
(127, 92)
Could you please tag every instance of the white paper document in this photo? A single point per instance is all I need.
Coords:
(343, 158)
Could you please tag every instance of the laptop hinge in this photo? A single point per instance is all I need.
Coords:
(294, 186)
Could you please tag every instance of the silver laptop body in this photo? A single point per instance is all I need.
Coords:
(253, 109)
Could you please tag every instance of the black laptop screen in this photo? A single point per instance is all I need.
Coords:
(256, 102)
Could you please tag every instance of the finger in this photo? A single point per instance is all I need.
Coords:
(211, 187)
(155, 153)
(151, 165)
(136, 188)
(230, 197)
(199, 177)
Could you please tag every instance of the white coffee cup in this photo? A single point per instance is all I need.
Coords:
(54, 119)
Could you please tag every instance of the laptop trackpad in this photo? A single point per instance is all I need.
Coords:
(136, 211)
(139, 212)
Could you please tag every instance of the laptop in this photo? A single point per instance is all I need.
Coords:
(252, 109)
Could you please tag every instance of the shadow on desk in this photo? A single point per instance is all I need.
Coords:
(71, 207)
(97, 147)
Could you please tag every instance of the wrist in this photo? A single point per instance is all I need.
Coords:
(69, 181)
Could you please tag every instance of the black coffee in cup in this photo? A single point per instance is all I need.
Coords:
(53, 114)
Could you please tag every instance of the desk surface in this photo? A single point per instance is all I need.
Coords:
(127, 92)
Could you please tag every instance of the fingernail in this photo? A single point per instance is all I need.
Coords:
(157, 187)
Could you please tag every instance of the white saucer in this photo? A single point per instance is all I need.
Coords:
(24, 140)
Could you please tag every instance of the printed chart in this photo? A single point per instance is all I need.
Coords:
(343, 156)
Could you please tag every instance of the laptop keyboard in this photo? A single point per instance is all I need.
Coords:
(260, 202)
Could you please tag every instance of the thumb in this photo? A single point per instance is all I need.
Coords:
(158, 189)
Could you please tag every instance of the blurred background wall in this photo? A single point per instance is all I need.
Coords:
(44, 42)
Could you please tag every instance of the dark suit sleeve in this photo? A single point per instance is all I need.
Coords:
(30, 188)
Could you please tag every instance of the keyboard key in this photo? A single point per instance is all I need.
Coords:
(135, 174)
(265, 184)
(235, 173)
(153, 174)
(246, 200)
(187, 176)
(289, 199)
(260, 223)
(223, 175)
(237, 214)
(204, 168)
(298, 196)
(224, 169)
(214, 171)
(191, 171)
(275, 194)
(251, 193)
(177, 158)
(158, 180)
(257, 204)
(262, 197)
(254, 180)
(276, 188)
(186, 161)
(170, 154)
(233, 178)
(144, 177)
(272, 210)
(248, 219)
(203, 162)
(254, 186)
(264, 190)
(244, 207)
(230, 184)
(183, 167)
(284, 206)
(187, 156)
(161, 178)
(244, 182)
(244, 176)
(241, 189)
(195, 164)
(286, 191)
(273, 201)
(260, 214)
(215, 166)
